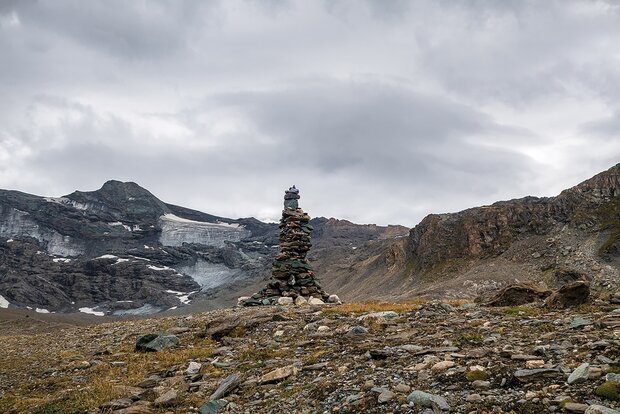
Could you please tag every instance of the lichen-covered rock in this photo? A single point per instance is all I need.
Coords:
(156, 342)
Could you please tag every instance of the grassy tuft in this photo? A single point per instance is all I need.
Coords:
(608, 390)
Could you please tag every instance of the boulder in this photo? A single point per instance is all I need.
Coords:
(569, 295)
(518, 294)
(156, 342)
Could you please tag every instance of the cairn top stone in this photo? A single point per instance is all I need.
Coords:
(290, 198)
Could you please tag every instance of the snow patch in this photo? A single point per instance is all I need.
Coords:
(141, 258)
(10, 241)
(158, 268)
(183, 297)
(41, 310)
(148, 247)
(3, 302)
(172, 217)
(120, 260)
(106, 256)
(61, 260)
(91, 311)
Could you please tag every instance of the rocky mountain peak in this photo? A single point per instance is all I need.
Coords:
(126, 201)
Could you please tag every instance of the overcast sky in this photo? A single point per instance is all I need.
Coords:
(380, 111)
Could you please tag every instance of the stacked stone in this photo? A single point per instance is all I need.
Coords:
(292, 275)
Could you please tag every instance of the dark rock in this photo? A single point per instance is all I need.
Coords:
(156, 342)
(531, 375)
(518, 294)
(569, 295)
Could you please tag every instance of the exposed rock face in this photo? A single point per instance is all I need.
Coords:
(121, 250)
(488, 231)
(292, 275)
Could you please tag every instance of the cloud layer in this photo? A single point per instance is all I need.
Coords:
(380, 111)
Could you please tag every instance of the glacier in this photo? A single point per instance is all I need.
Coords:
(176, 230)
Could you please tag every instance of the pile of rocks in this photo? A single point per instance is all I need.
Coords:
(292, 275)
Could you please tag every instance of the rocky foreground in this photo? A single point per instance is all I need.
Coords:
(374, 358)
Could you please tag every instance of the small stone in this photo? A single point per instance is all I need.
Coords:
(285, 301)
(600, 409)
(425, 399)
(442, 366)
(279, 374)
(575, 407)
(300, 300)
(323, 328)
(333, 299)
(193, 368)
(534, 363)
(529, 375)
(580, 374)
(480, 384)
(315, 301)
(369, 384)
(377, 315)
(473, 398)
(579, 322)
(213, 407)
(612, 377)
(116, 404)
(357, 330)
(226, 386)
(404, 388)
(385, 396)
(167, 399)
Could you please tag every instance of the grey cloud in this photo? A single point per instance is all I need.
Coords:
(381, 111)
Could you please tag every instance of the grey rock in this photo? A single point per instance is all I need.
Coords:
(156, 342)
(580, 374)
(529, 375)
(213, 407)
(225, 387)
(579, 322)
(357, 330)
(600, 409)
(167, 399)
(425, 399)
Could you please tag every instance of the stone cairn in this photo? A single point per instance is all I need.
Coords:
(292, 278)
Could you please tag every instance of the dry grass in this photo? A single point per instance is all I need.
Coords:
(71, 391)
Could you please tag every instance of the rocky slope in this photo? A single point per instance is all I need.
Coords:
(465, 253)
(373, 358)
(120, 250)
